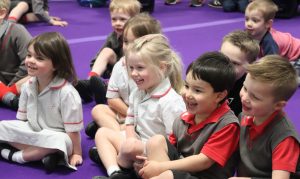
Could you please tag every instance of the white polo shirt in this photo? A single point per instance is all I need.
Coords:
(58, 107)
(119, 85)
(154, 113)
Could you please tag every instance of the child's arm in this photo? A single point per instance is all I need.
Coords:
(76, 156)
(189, 164)
(106, 56)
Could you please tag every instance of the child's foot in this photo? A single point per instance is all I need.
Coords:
(83, 88)
(197, 3)
(91, 129)
(10, 151)
(215, 4)
(98, 88)
(50, 162)
(172, 2)
(94, 156)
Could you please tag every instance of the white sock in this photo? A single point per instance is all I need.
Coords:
(112, 169)
(18, 157)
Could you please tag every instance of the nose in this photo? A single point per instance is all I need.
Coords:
(244, 97)
(133, 72)
(248, 23)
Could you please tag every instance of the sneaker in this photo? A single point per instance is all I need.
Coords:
(94, 156)
(3, 90)
(50, 162)
(91, 129)
(215, 4)
(98, 88)
(197, 3)
(171, 2)
(84, 90)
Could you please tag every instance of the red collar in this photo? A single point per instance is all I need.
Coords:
(213, 118)
(254, 130)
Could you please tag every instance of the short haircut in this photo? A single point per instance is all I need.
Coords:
(267, 7)
(277, 71)
(52, 45)
(142, 24)
(214, 68)
(5, 4)
(245, 43)
(132, 7)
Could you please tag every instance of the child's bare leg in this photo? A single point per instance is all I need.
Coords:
(105, 57)
(157, 148)
(131, 148)
(108, 143)
(105, 117)
(17, 12)
(31, 17)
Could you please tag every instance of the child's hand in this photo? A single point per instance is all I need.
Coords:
(56, 22)
(139, 163)
(75, 159)
(151, 169)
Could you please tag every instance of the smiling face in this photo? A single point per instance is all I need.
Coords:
(257, 99)
(38, 66)
(255, 23)
(145, 75)
(199, 96)
(237, 57)
(118, 20)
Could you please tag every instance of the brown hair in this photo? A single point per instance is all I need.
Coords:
(53, 45)
(132, 7)
(142, 24)
(267, 7)
(245, 43)
(278, 72)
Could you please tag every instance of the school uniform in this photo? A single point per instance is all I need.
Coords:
(13, 50)
(119, 85)
(216, 137)
(46, 117)
(154, 113)
(273, 145)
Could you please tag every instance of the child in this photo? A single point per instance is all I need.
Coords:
(269, 144)
(13, 39)
(242, 50)
(153, 105)
(259, 19)
(110, 53)
(33, 11)
(206, 136)
(119, 87)
(193, 3)
(50, 111)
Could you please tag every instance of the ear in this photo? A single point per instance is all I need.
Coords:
(221, 95)
(3, 13)
(279, 105)
(269, 23)
(163, 67)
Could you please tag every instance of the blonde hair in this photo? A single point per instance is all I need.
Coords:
(132, 7)
(267, 7)
(278, 72)
(4, 4)
(142, 24)
(244, 42)
(155, 50)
